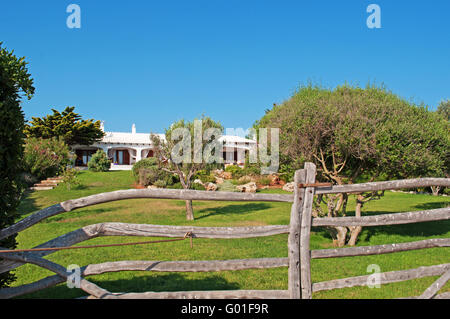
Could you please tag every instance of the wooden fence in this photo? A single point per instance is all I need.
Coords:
(299, 253)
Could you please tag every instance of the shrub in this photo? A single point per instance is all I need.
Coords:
(147, 172)
(145, 163)
(241, 181)
(99, 162)
(46, 157)
(176, 186)
(286, 173)
(160, 183)
(197, 187)
(171, 179)
(265, 181)
(204, 176)
(148, 176)
(235, 171)
(70, 178)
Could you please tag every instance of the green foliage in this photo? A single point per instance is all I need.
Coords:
(197, 187)
(147, 163)
(46, 157)
(160, 183)
(205, 176)
(236, 171)
(241, 181)
(70, 178)
(14, 81)
(444, 109)
(350, 131)
(147, 172)
(99, 162)
(66, 124)
(176, 186)
(265, 181)
(148, 176)
(286, 172)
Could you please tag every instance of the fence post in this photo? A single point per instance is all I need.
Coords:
(294, 236)
(305, 233)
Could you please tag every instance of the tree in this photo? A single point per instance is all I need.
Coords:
(68, 125)
(444, 109)
(354, 135)
(187, 148)
(15, 81)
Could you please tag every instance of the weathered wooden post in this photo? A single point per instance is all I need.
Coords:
(294, 236)
(305, 233)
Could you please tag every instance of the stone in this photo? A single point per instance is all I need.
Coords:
(226, 175)
(247, 188)
(198, 181)
(219, 180)
(289, 187)
(211, 187)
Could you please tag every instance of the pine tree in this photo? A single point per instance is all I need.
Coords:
(66, 124)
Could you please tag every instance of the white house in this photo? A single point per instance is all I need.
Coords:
(124, 148)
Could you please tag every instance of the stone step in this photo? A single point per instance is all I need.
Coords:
(44, 185)
(41, 188)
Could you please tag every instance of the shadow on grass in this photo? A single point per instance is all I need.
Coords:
(155, 283)
(27, 204)
(434, 205)
(82, 213)
(231, 210)
(423, 229)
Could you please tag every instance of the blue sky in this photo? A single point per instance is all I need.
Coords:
(153, 62)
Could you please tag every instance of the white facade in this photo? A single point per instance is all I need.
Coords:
(124, 149)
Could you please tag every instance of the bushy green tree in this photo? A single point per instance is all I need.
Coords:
(358, 134)
(66, 124)
(99, 162)
(46, 157)
(15, 81)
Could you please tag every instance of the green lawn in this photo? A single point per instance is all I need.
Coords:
(170, 212)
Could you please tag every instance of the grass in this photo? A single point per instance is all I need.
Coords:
(171, 212)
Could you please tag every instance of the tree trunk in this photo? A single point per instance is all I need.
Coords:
(435, 190)
(356, 230)
(338, 234)
(341, 236)
(189, 210)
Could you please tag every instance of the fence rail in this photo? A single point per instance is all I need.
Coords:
(299, 230)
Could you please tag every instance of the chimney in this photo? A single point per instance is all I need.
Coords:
(102, 125)
(133, 129)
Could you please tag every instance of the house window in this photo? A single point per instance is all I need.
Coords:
(83, 157)
(122, 157)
